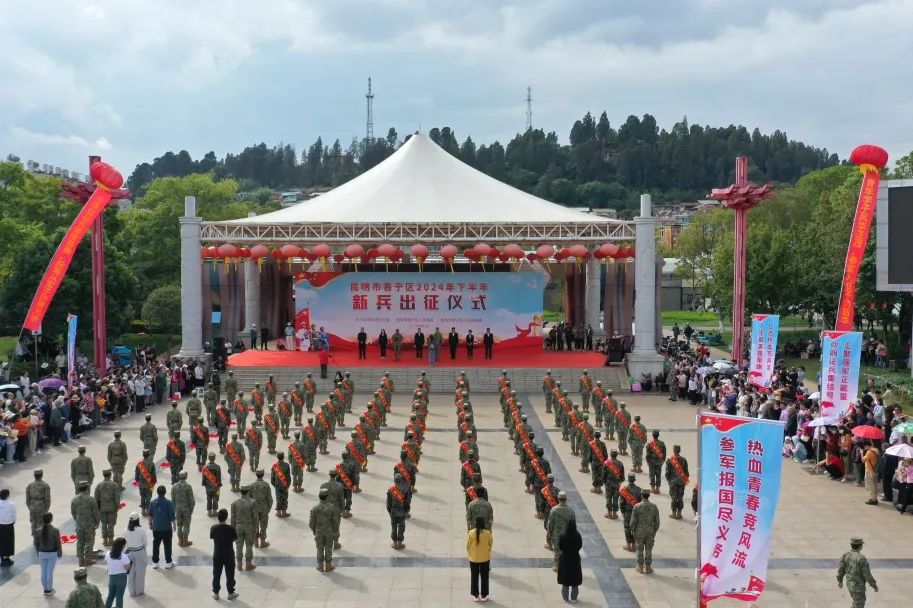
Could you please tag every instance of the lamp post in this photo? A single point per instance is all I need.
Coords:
(740, 197)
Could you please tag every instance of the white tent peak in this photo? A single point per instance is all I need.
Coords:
(422, 183)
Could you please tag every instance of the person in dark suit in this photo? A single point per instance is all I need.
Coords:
(453, 340)
(589, 337)
(362, 344)
(488, 340)
(419, 340)
(470, 344)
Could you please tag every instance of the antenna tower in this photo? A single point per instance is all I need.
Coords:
(529, 108)
(369, 123)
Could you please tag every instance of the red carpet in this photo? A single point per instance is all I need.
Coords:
(509, 358)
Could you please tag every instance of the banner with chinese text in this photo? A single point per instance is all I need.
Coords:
(841, 352)
(72, 321)
(739, 489)
(510, 303)
(764, 331)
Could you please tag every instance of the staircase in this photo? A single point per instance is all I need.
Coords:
(481, 379)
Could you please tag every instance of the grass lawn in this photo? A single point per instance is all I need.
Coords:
(671, 317)
(7, 346)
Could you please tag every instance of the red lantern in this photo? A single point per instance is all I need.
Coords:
(867, 154)
(322, 250)
(577, 251)
(106, 175)
(482, 249)
(386, 250)
(563, 253)
(228, 251)
(244, 252)
(354, 251)
(419, 251)
(397, 255)
(608, 250)
(513, 251)
(213, 252)
(598, 254)
(259, 251)
(338, 258)
(448, 252)
(544, 252)
(276, 254)
(290, 251)
(504, 257)
(372, 253)
(204, 252)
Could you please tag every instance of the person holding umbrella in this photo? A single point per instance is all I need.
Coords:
(870, 459)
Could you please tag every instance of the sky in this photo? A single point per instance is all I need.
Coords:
(132, 80)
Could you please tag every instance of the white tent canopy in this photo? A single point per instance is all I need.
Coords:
(422, 183)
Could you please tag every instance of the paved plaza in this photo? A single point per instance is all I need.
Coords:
(815, 520)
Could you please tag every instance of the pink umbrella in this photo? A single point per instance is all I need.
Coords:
(868, 432)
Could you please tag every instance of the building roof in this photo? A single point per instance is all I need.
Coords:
(421, 183)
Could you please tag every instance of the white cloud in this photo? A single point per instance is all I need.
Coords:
(31, 139)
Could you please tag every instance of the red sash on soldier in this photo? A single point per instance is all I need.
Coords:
(361, 435)
(679, 470)
(522, 432)
(640, 434)
(224, 416)
(257, 397)
(549, 498)
(311, 433)
(210, 477)
(572, 417)
(397, 494)
(471, 492)
(347, 384)
(597, 393)
(609, 405)
(358, 456)
(388, 384)
(310, 387)
(233, 454)
(346, 480)
(256, 438)
(271, 423)
(340, 395)
(586, 382)
(614, 468)
(548, 381)
(145, 474)
(270, 386)
(596, 450)
(293, 450)
(240, 407)
(409, 451)
(404, 471)
(284, 408)
(626, 494)
(622, 418)
(654, 447)
(297, 398)
(331, 406)
(175, 449)
(540, 472)
(323, 420)
(278, 471)
(383, 400)
(565, 405)
(201, 435)
(464, 446)
(467, 466)
(528, 448)
(585, 431)
(415, 434)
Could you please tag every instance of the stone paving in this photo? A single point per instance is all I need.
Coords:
(814, 522)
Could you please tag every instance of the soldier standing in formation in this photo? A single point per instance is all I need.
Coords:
(212, 483)
(107, 495)
(263, 494)
(630, 496)
(117, 459)
(176, 455)
(614, 477)
(548, 383)
(348, 472)
(231, 387)
(608, 419)
(194, 409)
(397, 507)
(173, 419)
(149, 435)
(637, 434)
(335, 493)
(84, 510)
(234, 462)
(200, 438)
(586, 388)
(256, 400)
(558, 518)
(622, 422)
(310, 439)
(597, 460)
(223, 423)
(271, 424)
(297, 395)
(271, 390)
(81, 468)
(183, 499)
(245, 518)
(281, 479)
(324, 525)
(480, 507)
(239, 409)
(677, 476)
(644, 525)
(656, 456)
(38, 500)
(310, 389)
(253, 441)
(854, 568)
(285, 414)
(297, 462)
(145, 477)
(211, 400)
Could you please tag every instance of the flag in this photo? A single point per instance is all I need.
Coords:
(72, 321)
(840, 355)
(764, 331)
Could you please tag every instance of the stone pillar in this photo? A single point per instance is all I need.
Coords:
(251, 292)
(591, 295)
(191, 281)
(644, 357)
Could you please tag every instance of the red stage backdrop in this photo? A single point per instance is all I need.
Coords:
(510, 303)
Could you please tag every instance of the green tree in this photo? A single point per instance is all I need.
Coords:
(162, 308)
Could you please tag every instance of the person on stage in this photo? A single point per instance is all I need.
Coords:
(488, 340)
(419, 341)
(470, 344)
(453, 340)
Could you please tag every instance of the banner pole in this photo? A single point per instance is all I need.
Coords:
(697, 568)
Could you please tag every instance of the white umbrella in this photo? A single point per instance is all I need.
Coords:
(815, 396)
(722, 365)
(901, 450)
(823, 422)
(10, 388)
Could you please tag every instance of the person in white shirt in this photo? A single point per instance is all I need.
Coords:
(7, 529)
(119, 565)
(198, 374)
(61, 361)
(136, 537)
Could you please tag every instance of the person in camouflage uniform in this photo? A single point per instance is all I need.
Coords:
(81, 468)
(597, 451)
(480, 507)
(656, 456)
(85, 595)
(210, 400)
(117, 459)
(253, 441)
(348, 389)
(271, 426)
(231, 387)
(257, 399)
(637, 438)
(558, 519)
(397, 507)
(284, 408)
(174, 420)
(176, 455)
(349, 473)
(335, 490)
(144, 475)
(297, 395)
(107, 495)
(84, 510)
(585, 386)
(310, 439)
(575, 417)
(310, 389)
(585, 430)
(672, 383)
(223, 424)
(614, 476)
(245, 517)
(677, 477)
(566, 409)
(407, 470)
(323, 427)
(644, 525)
(608, 420)
(325, 527)
(546, 499)
(598, 406)
(630, 496)
(271, 390)
(212, 483)
(263, 494)
(183, 499)
(622, 422)
(149, 436)
(38, 499)
(200, 438)
(240, 410)
(234, 462)
(854, 568)
(280, 479)
(548, 383)
(297, 462)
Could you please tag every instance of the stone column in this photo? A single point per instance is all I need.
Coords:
(251, 291)
(591, 296)
(191, 281)
(644, 357)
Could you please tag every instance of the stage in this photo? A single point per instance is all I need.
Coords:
(508, 358)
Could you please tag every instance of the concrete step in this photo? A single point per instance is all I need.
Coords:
(481, 380)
